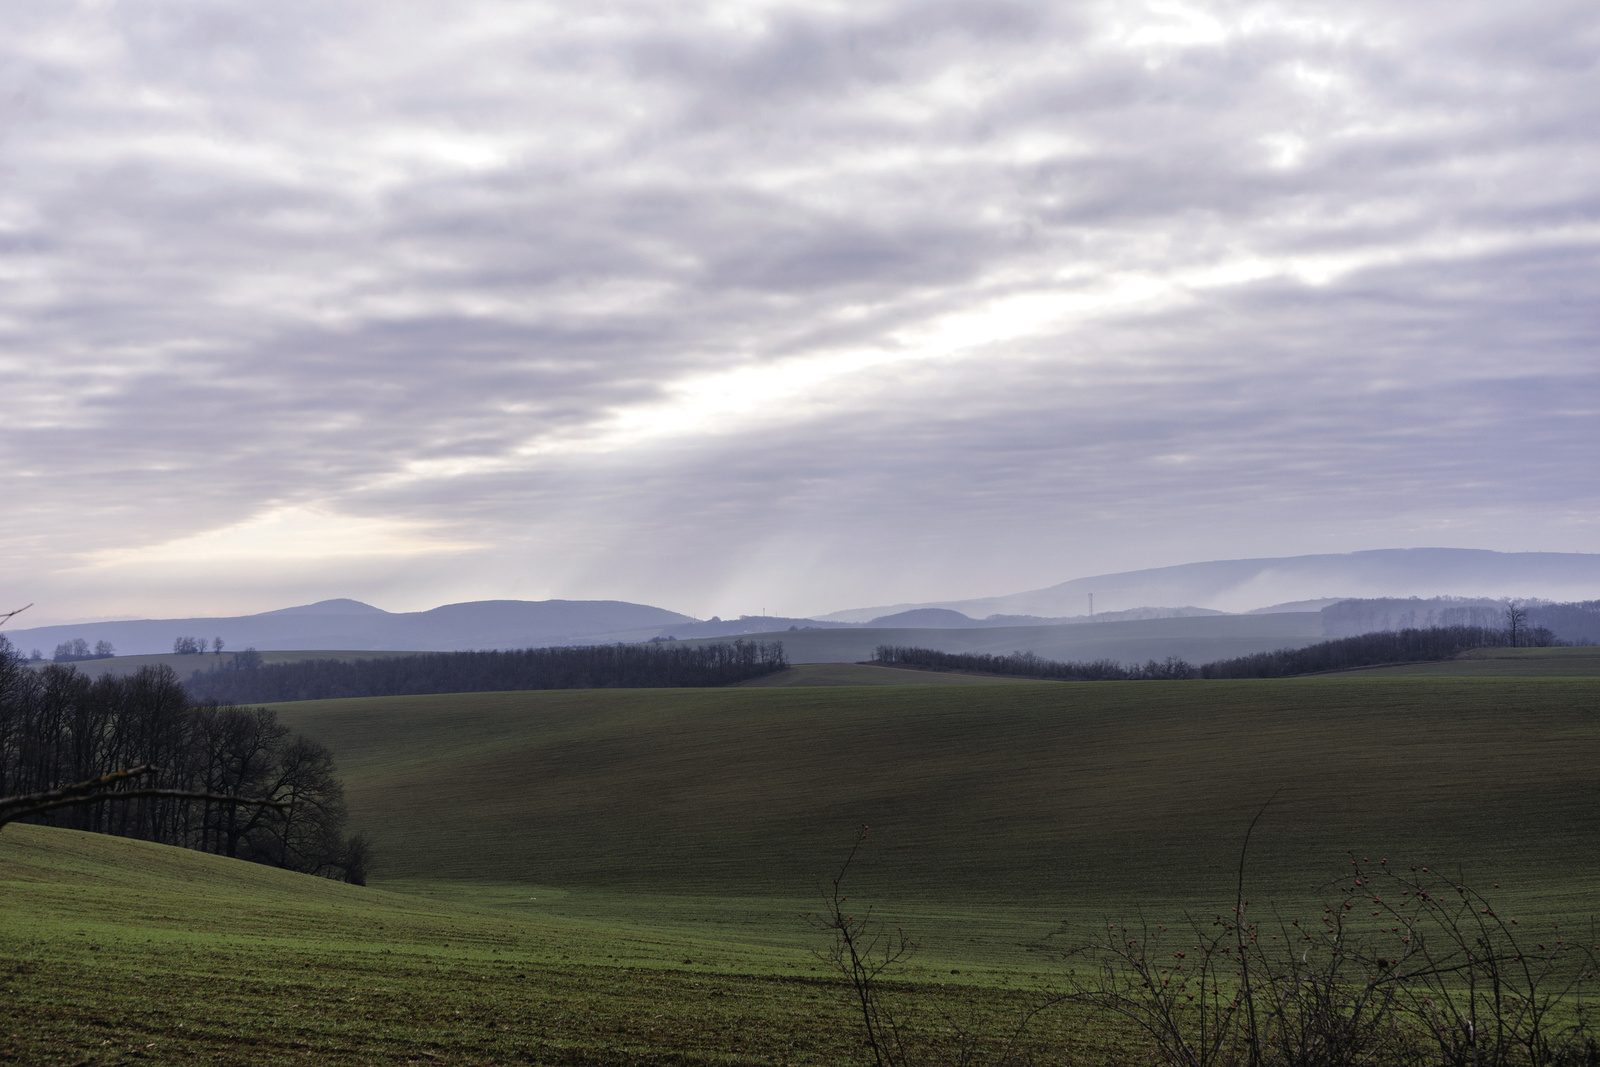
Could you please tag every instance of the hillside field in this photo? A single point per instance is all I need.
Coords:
(1502, 663)
(996, 810)
(832, 674)
(609, 876)
(123, 952)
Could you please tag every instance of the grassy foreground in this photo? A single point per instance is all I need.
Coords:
(115, 951)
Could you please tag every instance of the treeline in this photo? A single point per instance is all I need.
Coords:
(247, 681)
(1365, 650)
(1028, 665)
(1578, 622)
(57, 727)
(78, 649)
(1375, 649)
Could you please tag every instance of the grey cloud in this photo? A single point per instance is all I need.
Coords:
(268, 255)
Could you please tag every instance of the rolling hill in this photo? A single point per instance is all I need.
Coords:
(352, 625)
(1248, 584)
(614, 876)
(1056, 798)
(122, 952)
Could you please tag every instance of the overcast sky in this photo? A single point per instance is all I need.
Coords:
(795, 307)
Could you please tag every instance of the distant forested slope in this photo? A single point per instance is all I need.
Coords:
(585, 667)
(1577, 622)
(1366, 650)
(1372, 650)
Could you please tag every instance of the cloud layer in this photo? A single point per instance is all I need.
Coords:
(732, 306)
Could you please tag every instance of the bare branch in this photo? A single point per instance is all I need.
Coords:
(93, 792)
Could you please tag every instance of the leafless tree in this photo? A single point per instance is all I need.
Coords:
(60, 726)
(1516, 625)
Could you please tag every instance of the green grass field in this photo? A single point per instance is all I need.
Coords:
(115, 951)
(1502, 663)
(633, 854)
(1052, 798)
(830, 674)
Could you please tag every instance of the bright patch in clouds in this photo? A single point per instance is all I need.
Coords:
(287, 536)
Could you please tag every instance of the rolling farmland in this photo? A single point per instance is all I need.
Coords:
(615, 875)
(1053, 796)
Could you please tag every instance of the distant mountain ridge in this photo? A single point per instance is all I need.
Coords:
(947, 619)
(1243, 585)
(352, 625)
(915, 619)
(1294, 585)
(744, 624)
(341, 606)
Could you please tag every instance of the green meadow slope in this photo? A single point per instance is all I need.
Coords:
(1502, 663)
(814, 674)
(613, 876)
(116, 951)
(1056, 798)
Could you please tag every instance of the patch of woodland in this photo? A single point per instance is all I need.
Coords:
(1030, 665)
(1378, 649)
(246, 680)
(1417, 645)
(59, 726)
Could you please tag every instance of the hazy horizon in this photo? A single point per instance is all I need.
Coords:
(1230, 586)
(782, 308)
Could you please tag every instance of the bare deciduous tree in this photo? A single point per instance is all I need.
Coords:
(1516, 625)
(194, 763)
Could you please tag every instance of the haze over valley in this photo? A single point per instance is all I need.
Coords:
(1147, 629)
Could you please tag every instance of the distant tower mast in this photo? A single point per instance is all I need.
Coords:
(1091, 605)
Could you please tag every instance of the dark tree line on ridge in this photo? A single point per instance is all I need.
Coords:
(1376, 649)
(58, 727)
(1029, 665)
(247, 681)
(1365, 650)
